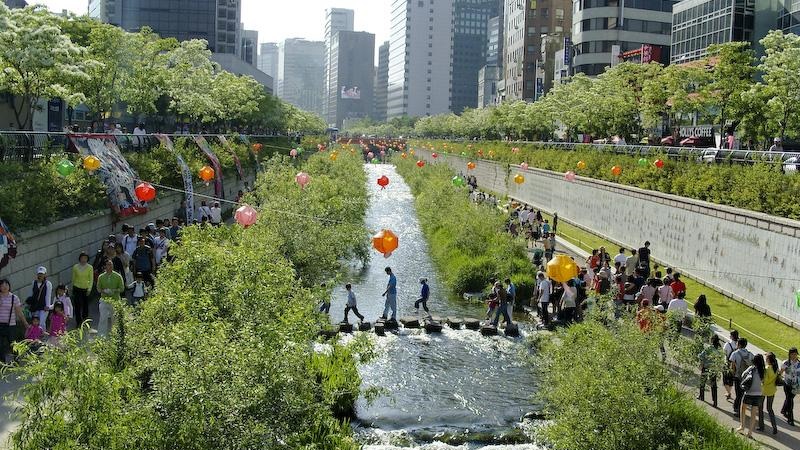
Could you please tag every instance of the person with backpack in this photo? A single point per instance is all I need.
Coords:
(790, 370)
(144, 261)
(41, 300)
(10, 312)
(769, 387)
(739, 361)
(727, 375)
(750, 385)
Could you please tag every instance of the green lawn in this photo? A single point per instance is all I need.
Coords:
(760, 329)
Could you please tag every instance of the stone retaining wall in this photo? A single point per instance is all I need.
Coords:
(749, 256)
(58, 245)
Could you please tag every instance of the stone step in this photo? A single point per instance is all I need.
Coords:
(512, 330)
(489, 330)
(379, 329)
(433, 326)
(345, 327)
(410, 322)
(455, 322)
(472, 324)
(364, 326)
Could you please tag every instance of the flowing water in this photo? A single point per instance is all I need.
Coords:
(458, 384)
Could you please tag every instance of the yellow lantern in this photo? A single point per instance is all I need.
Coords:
(404, 155)
(562, 268)
(333, 156)
(91, 163)
(519, 179)
(581, 165)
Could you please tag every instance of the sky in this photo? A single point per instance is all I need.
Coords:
(277, 20)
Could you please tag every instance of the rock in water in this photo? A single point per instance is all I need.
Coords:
(364, 326)
(512, 330)
(455, 323)
(432, 326)
(390, 324)
(489, 330)
(345, 327)
(472, 324)
(410, 322)
(379, 329)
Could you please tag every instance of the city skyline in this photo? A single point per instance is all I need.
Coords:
(277, 21)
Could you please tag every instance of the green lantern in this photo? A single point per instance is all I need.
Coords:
(299, 150)
(464, 154)
(643, 162)
(458, 181)
(65, 167)
(375, 161)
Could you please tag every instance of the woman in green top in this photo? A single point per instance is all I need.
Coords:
(110, 285)
(769, 387)
(82, 282)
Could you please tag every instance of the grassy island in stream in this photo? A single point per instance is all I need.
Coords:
(221, 353)
(467, 241)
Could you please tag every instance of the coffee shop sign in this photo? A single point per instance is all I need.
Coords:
(705, 131)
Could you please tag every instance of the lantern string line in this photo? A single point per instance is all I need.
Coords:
(238, 204)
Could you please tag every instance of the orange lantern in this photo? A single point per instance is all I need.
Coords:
(616, 171)
(470, 165)
(257, 147)
(91, 163)
(519, 179)
(562, 268)
(207, 174)
(385, 242)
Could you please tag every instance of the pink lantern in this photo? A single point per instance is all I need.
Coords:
(524, 166)
(302, 179)
(370, 155)
(569, 176)
(293, 153)
(246, 216)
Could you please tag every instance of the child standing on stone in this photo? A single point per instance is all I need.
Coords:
(351, 304)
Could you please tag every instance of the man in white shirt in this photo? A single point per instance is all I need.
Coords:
(204, 212)
(543, 288)
(630, 263)
(139, 130)
(621, 259)
(216, 215)
(678, 309)
(161, 245)
(130, 239)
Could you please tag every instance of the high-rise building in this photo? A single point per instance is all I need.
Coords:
(15, 3)
(381, 83)
(420, 51)
(554, 58)
(249, 46)
(488, 77)
(301, 75)
(525, 23)
(603, 31)
(494, 39)
(336, 20)
(788, 16)
(352, 77)
(216, 21)
(470, 18)
(268, 59)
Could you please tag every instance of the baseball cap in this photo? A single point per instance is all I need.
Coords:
(41, 270)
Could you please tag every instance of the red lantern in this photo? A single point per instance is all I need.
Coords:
(246, 216)
(145, 192)
(383, 182)
(207, 174)
(420, 163)
(434, 155)
(659, 163)
(385, 242)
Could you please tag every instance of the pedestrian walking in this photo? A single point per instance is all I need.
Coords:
(769, 387)
(110, 285)
(790, 370)
(41, 300)
(82, 283)
(502, 298)
(708, 374)
(751, 386)
(10, 312)
(391, 296)
(424, 294)
(727, 374)
(351, 304)
(740, 360)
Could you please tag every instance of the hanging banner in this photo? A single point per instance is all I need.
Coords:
(224, 141)
(206, 148)
(115, 172)
(188, 184)
(8, 246)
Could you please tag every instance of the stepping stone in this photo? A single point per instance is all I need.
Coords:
(410, 322)
(489, 330)
(455, 322)
(512, 330)
(328, 334)
(345, 327)
(364, 326)
(379, 329)
(472, 324)
(433, 326)
(390, 324)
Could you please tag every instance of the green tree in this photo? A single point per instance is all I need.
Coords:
(38, 61)
(731, 75)
(780, 67)
(190, 79)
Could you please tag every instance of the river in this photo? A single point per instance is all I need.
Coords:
(456, 384)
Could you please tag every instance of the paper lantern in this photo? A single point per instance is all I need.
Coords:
(643, 162)
(519, 179)
(65, 167)
(480, 152)
(300, 150)
(91, 163)
(420, 163)
(403, 155)
(333, 156)
(569, 176)
(465, 153)
(145, 192)
(293, 153)
(458, 181)
(375, 161)
(411, 152)
(515, 150)
(302, 179)
(246, 215)
(385, 242)
(524, 166)
(562, 268)
(491, 153)
(257, 147)
(434, 155)
(207, 174)
(370, 155)
(383, 182)
(659, 164)
(470, 165)
(581, 165)
(616, 171)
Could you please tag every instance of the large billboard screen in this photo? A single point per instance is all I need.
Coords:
(351, 93)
